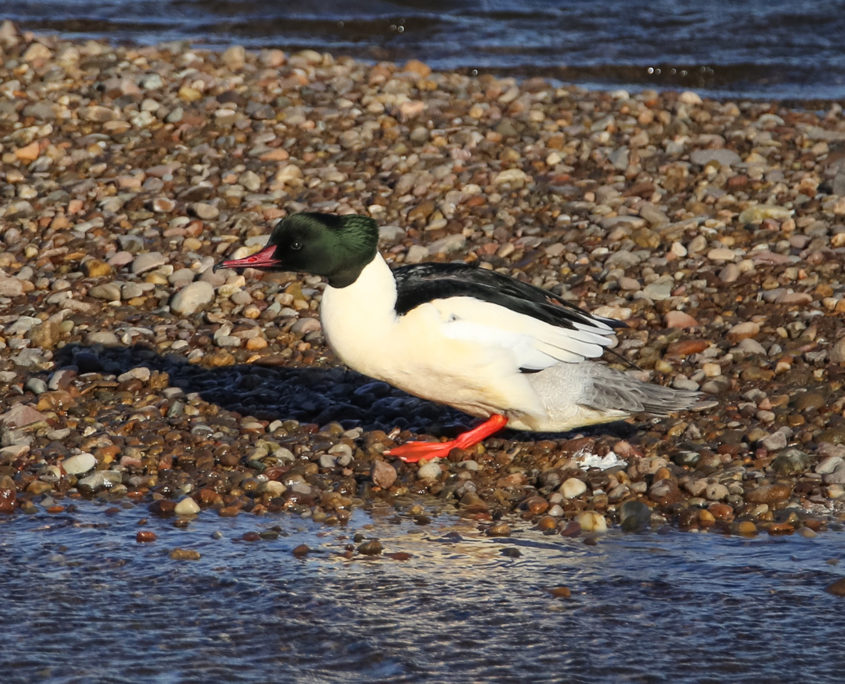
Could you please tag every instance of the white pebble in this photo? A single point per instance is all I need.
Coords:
(187, 506)
(573, 487)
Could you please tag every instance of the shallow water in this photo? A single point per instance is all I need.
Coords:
(756, 48)
(85, 602)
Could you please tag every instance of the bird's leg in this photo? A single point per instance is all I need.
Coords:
(411, 452)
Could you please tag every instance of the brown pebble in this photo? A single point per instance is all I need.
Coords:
(535, 505)
(251, 536)
(94, 268)
(769, 493)
(776, 528)
(746, 528)
(399, 555)
(372, 547)
(705, 518)
(7, 499)
(572, 529)
(560, 592)
(301, 550)
(145, 536)
(384, 474)
(686, 347)
(499, 529)
(721, 511)
(837, 587)
(546, 523)
(185, 554)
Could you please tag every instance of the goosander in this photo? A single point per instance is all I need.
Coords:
(482, 342)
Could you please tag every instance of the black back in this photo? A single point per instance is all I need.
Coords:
(420, 283)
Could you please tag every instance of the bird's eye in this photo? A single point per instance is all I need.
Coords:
(296, 245)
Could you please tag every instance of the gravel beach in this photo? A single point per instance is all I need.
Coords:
(132, 372)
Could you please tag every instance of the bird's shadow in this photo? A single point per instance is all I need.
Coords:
(317, 395)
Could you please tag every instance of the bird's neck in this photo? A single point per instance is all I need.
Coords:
(365, 306)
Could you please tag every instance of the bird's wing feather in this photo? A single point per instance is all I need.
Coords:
(533, 343)
(420, 283)
(484, 306)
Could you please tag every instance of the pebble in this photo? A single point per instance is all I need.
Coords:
(430, 470)
(191, 298)
(573, 488)
(79, 464)
(592, 521)
(634, 516)
(187, 506)
(384, 474)
(721, 157)
(183, 554)
(372, 547)
(147, 262)
(771, 493)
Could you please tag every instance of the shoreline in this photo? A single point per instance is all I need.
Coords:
(716, 229)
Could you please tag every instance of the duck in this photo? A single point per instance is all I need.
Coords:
(487, 344)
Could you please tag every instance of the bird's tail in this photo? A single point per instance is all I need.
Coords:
(610, 389)
(576, 394)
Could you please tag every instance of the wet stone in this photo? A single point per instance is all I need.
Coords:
(790, 462)
(373, 547)
(634, 516)
(185, 554)
(771, 493)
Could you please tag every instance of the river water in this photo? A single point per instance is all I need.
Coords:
(777, 49)
(83, 601)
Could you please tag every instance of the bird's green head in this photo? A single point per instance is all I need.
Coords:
(337, 247)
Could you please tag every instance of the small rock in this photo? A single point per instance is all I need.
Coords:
(384, 474)
(560, 592)
(183, 554)
(430, 470)
(141, 373)
(722, 157)
(145, 536)
(79, 463)
(147, 262)
(679, 319)
(634, 516)
(790, 462)
(715, 491)
(742, 331)
(498, 529)
(837, 351)
(10, 286)
(514, 177)
(187, 506)
(21, 415)
(573, 488)
(234, 57)
(664, 492)
(771, 493)
(837, 587)
(107, 291)
(746, 528)
(305, 325)
(775, 441)
(192, 297)
(372, 547)
(592, 521)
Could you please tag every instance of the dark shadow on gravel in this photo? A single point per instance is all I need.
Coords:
(308, 395)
